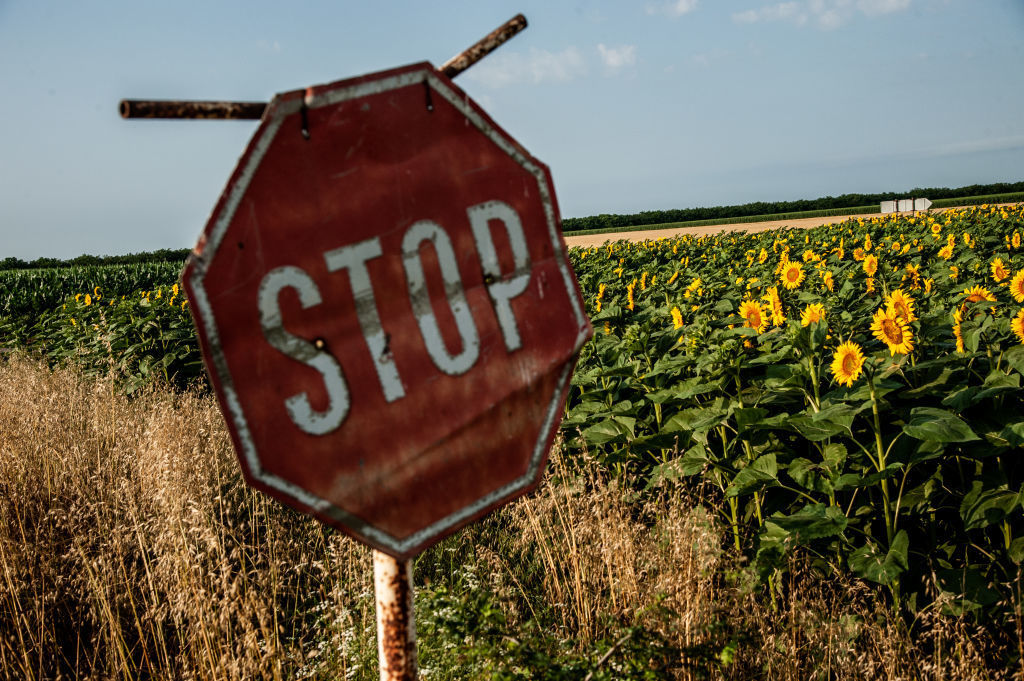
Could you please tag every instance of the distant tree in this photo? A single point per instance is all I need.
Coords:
(12, 263)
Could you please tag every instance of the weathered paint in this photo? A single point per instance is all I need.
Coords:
(386, 308)
(396, 621)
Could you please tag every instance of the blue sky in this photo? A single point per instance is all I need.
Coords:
(633, 105)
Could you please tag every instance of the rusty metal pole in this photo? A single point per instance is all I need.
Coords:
(168, 108)
(396, 624)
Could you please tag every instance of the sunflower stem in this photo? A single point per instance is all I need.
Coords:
(813, 369)
(880, 464)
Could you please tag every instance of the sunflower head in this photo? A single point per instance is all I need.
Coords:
(977, 294)
(1017, 324)
(814, 312)
(753, 315)
(893, 331)
(792, 274)
(847, 363)
(1017, 287)
(870, 265)
(677, 318)
(999, 271)
(901, 305)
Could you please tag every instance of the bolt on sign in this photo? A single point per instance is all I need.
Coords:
(386, 309)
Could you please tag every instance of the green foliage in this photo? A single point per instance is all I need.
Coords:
(469, 636)
(162, 255)
(137, 337)
(26, 294)
(906, 476)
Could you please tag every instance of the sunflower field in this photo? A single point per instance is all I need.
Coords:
(27, 293)
(136, 335)
(850, 392)
(853, 390)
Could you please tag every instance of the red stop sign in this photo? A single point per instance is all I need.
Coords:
(385, 308)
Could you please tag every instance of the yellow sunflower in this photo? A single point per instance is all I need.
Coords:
(1018, 325)
(946, 252)
(870, 265)
(858, 254)
(630, 296)
(677, 318)
(1015, 241)
(847, 363)
(773, 304)
(999, 271)
(753, 315)
(977, 294)
(827, 280)
(814, 312)
(792, 274)
(902, 305)
(1017, 287)
(893, 331)
(958, 316)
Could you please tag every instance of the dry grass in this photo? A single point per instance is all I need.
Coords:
(130, 548)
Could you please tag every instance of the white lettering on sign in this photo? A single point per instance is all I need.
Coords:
(501, 290)
(298, 406)
(452, 364)
(354, 258)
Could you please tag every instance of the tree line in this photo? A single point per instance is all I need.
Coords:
(603, 221)
(657, 217)
(157, 256)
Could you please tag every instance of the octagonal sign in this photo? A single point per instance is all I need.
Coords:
(385, 308)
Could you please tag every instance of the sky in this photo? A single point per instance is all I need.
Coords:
(633, 105)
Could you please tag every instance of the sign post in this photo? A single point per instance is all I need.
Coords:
(387, 314)
(396, 623)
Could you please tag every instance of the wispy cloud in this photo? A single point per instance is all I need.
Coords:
(825, 14)
(617, 58)
(873, 7)
(675, 8)
(537, 66)
(783, 10)
(705, 59)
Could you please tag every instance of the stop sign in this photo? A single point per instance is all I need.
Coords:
(385, 308)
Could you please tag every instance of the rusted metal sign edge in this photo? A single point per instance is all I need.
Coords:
(193, 277)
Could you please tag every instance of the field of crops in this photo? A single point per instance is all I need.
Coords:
(851, 391)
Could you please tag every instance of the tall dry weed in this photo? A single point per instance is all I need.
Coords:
(131, 548)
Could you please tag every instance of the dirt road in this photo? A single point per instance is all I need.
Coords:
(802, 223)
